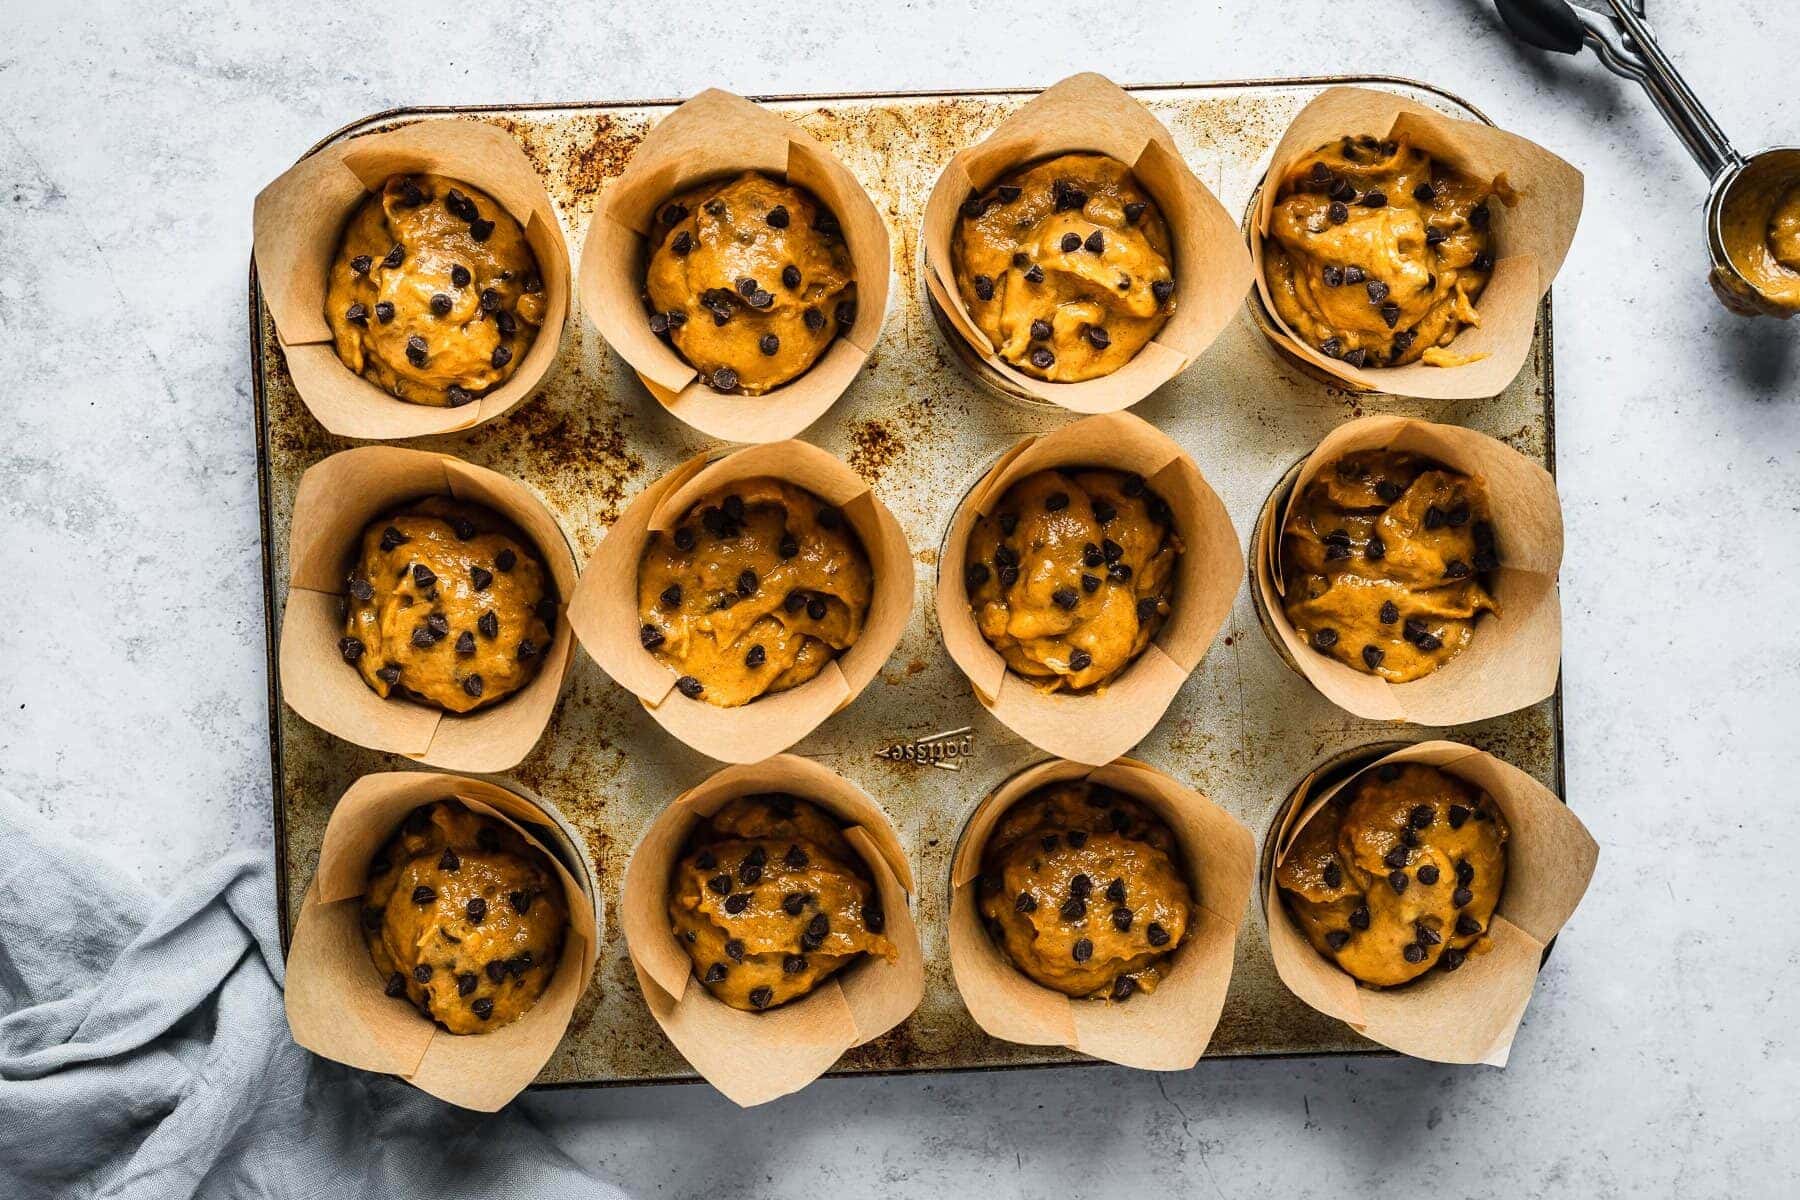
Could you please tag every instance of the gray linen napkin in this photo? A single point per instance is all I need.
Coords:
(144, 1052)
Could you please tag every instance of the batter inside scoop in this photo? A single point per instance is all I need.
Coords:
(1383, 559)
(1399, 874)
(448, 605)
(1065, 266)
(1072, 574)
(1081, 887)
(750, 280)
(758, 587)
(1761, 231)
(1376, 254)
(463, 917)
(434, 294)
(770, 901)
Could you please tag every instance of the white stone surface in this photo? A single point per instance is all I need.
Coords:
(1660, 1055)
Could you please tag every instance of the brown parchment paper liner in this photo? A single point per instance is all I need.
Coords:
(718, 134)
(1515, 654)
(1089, 112)
(1531, 236)
(604, 612)
(336, 499)
(755, 1057)
(1470, 1015)
(1098, 727)
(299, 219)
(1163, 1030)
(336, 1006)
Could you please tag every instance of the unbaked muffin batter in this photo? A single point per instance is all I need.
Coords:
(1081, 887)
(1383, 561)
(750, 279)
(1761, 229)
(463, 917)
(434, 293)
(770, 901)
(1400, 873)
(448, 606)
(757, 589)
(1072, 574)
(1376, 254)
(1065, 266)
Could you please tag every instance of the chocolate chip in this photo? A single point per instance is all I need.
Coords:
(396, 985)
(1378, 291)
(1390, 314)
(1465, 874)
(361, 264)
(1456, 569)
(816, 608)
(1334, 874)
(650, 636)
(1121, 919)
(351, 648)
(482, 1006)
(1399, 856)
(1374, 199)
(1413, 952)
(481, 229)
(1071, 242)
(1089, 584)
(682, 244)
(1066, 197)
(422, 972)
(1337, 939)
(1056, 501)
(1337, 213)
(1162, 289)
(1080, 660)
(1324, 639)
(1098, 337)
(984, 287)
(394, 257)
(1429, 936)
(1332, 347)
(845, 313)
(1360, 918)
(1156, 935)
(388, 675)
(793, 903)
(815, 320)
(736, 902)
(1398, 881)
(384, 311)
(416, 350)
(760, 996)
(1341, 189)
(1480, 217)
(467, 982)
(874, 918)
(746, 582)
(690, 687)
(1424, 193)
(1007, 193)
(423, 895)
(1073, 909)
(441, 304)
(1372, 656)
(1082, 950)
(1096, 243)
(1376, 549)
(472, 684)
(1133, 210)
(1035, 274)
(1428, 874)
(749, 873)
(817, 930)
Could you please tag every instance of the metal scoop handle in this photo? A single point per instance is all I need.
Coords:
(1626, 47)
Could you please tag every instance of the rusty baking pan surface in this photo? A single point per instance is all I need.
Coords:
(1243, 730)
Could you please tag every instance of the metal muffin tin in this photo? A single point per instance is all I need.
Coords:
(1244, 729)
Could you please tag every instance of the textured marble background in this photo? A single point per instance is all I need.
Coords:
(1661, 1055)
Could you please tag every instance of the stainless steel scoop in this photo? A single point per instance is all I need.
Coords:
(1625, 46)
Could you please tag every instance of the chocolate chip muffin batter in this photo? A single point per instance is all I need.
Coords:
(448, 606)
(1081, 887)
(1401, 872)
(434, 294)
(1376, 254)
(770, 901)
(758, 587)
(1072, 574)
(1383, 561)
(750, 280)
(464, 917)
(1065, 266)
